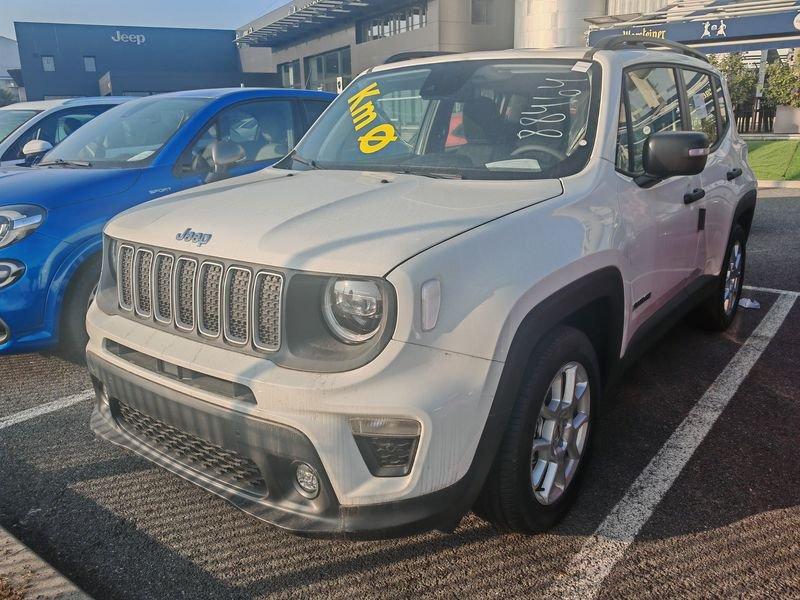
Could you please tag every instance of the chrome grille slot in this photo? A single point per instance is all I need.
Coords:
(142, 282)
(162, 280)
(209, 295)
(237, 305)
(185, 271)
(125, 277)
(267, 311)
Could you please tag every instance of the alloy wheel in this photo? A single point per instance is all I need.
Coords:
(561, 434)
(733, 276)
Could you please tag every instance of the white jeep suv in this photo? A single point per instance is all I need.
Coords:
(418, 310)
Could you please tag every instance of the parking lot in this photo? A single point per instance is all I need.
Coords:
(693, 489)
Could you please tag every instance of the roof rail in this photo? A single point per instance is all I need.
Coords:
(414, 54)
(641, 42)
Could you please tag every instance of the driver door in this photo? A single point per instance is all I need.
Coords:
(662, 233)
(265, 130)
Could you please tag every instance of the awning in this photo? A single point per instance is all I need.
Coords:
(720, 26)
(301, 20)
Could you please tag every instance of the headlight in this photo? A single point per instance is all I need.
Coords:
(18, 221)
(353, 309)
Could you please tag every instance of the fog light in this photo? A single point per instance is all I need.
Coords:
(387, 445)
(307, 480)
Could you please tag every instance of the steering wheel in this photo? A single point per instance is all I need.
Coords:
(541, 148)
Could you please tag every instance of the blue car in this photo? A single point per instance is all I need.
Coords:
(52, 215)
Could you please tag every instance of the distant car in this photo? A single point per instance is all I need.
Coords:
(52, 215)
(48, 121)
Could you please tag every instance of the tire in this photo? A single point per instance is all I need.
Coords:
(718, 311)
(73, 338)
(514, 497)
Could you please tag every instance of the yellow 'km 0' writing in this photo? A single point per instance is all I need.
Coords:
(363, 113)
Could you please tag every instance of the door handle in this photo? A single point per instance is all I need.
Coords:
(734, 173)
(694, 195)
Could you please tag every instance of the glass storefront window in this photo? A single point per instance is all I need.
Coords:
(321, 71)
(290, 74)
(393, 23)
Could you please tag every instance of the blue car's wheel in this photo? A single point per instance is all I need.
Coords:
(73, 315)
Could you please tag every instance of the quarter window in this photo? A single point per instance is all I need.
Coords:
(723, 108)
(654, 104)
(702, 106)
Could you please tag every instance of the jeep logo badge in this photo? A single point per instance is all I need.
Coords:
(128, 38)
(194, 237)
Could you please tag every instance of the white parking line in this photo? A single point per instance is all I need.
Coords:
(772, 291)
(604, 549)
(38, 411)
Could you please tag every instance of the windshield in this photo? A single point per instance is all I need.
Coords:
(128, 135)
(10, 120)
(470, 119)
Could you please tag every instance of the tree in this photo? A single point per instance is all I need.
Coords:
(742, 79)
(782, 87)
(6, 97)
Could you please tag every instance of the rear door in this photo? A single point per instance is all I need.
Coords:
(662, 243)
(722, 176)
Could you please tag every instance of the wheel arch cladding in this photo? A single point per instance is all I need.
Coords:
(574, 305)
(62, 284)
(745, 211)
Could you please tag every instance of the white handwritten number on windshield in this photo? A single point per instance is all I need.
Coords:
(544, 107)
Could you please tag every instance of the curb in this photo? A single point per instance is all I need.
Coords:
(25, 575)
(779, 184)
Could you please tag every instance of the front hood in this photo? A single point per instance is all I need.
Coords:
(61, 186)
(326, 221)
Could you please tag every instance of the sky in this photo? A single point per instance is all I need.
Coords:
(213, 14)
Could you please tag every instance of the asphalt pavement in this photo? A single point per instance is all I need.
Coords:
(693, 488)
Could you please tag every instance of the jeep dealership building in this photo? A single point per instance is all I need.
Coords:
(63, 61)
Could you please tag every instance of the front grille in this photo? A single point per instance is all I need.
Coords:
(215, 461)
(209, 292)
(237, 304)
(184, 292)
(125, 270)
(230, 304)
(163, 291)
(144, 277)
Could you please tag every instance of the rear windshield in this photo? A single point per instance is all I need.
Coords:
(479, 119)
(10, 120)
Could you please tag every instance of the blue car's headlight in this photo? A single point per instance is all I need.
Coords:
(17, 221)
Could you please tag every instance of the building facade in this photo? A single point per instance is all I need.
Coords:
(63, 61)
(9, 62)
(320, 44)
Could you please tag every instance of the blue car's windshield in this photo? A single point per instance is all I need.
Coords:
(129, 135)
(11, 119)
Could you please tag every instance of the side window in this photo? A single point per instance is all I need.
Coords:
(723, 108)
(702, 107)
(654, 103)
(314, 108)
(264, 129)
(55, 128)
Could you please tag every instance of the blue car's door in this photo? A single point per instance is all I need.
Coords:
(265, 129)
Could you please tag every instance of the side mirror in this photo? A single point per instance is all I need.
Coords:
(35, 150)
(672, 153)
(223, 156)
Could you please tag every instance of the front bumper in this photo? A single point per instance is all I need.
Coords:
(308, 423)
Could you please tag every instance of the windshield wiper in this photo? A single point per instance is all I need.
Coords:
(430, 174)
(60, 162)
(305, 161)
